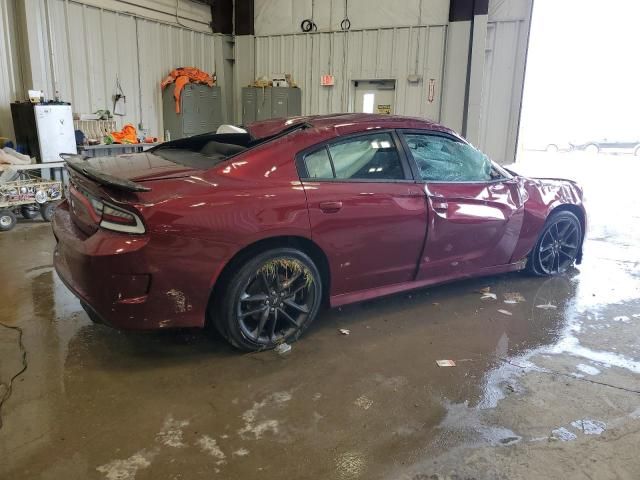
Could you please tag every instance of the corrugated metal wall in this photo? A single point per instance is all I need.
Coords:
(10, 77)
(506, 48)
(93, 47)
(392, 53)
(283, 17)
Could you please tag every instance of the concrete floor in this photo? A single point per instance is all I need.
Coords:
(541, 393)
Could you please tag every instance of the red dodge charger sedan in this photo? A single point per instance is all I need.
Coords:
(252, 232)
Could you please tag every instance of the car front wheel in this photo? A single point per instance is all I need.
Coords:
(558, 245)
(270, 299)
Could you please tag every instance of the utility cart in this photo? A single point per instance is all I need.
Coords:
(28, 195)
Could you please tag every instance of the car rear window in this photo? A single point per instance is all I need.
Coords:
(204, 151)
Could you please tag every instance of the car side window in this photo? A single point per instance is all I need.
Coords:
(318, 164)
(372, 157)
(441, 159)
(367, 157)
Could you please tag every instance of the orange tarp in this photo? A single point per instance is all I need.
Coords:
(128, 134)
(183, 75)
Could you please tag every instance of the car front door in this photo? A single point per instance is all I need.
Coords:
(476, 209)
(366, 212)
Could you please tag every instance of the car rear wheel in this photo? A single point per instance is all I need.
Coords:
(558, 245)
(8, 220)
(271, 299)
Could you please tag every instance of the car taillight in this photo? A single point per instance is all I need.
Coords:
(96, 204)
(111, 217)
(120, 220)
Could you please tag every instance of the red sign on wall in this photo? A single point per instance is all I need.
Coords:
(327, 80)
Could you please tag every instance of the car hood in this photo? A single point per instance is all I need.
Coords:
(139, 167)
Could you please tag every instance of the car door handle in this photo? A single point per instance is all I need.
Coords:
(330, 207)
(439, 204)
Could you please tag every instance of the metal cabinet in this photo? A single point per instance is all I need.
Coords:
(200, 110)
(270, 102)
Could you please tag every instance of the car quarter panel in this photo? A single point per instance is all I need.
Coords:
(195, 225)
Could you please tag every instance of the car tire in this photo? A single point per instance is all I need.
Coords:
(636, 151)
(8, 220)
(29, 212)
(592, 149)
(46, 210)
(552, 148)
(268, 300)
(558, 245)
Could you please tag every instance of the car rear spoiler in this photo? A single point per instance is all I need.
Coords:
(78, 164)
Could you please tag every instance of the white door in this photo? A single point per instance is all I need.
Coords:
(375, 96)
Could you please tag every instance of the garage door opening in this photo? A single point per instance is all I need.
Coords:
(579, 111)
(580, 93)
(374, 96)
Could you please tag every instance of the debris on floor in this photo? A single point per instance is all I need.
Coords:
(590, 427)
(486, 294)
(283, 349)
(344, 331)
(445, 363)
(505, 312)
(363, 402)
(514, 297)
(547, 306)
(562, 434)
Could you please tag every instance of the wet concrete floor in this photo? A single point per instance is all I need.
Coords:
(540, 393)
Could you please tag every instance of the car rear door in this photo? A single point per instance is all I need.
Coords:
(365, 210)
(476, 210)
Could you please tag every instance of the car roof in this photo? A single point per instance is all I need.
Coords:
(342, 123)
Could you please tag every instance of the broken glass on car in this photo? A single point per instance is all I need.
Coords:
(441, 159)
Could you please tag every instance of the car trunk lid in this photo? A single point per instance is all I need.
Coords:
(116, 180)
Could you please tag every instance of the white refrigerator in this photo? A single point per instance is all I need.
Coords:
(55, 131)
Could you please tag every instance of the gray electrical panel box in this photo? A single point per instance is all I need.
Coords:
(200, 110)
(270, 102)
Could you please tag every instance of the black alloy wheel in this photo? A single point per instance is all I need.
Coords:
(558, 245)
(270, 300)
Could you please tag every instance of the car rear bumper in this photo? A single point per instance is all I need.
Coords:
(120, 278)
